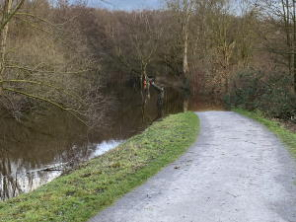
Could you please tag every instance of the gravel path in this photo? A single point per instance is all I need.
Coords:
(236, 172)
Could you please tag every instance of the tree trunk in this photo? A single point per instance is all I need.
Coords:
(294, 44)
(185, 59)
(4, 33)
(187, 11)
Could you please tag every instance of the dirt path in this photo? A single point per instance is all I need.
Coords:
(237, 172)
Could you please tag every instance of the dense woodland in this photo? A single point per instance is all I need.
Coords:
(236, 53)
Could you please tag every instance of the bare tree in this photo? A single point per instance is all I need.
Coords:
(55, 73)
(136, 46)
(9, 8)
(184, 10)
(282, 13)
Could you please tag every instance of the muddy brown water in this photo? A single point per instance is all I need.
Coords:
(36, 151)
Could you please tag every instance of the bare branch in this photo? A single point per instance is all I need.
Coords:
(14, 66)
(64, 91)
(74, 113)
(10, 16)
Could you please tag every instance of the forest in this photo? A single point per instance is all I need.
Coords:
(235, 53)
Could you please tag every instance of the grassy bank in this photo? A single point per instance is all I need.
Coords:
(98, 183)
(288, 137)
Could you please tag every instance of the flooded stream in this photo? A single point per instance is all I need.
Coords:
(35, 151)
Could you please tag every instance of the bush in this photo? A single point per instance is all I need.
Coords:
(270, 93)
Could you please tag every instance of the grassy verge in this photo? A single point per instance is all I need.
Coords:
(288, 137)
(98, 183)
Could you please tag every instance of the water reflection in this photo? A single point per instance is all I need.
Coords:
(9, 185)
(35, 151)
(29, 149)
(104, 147)
(17, 178)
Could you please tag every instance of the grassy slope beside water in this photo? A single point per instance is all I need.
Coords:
(81, 194)
(288, 137)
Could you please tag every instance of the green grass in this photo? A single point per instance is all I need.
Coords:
(99, 182)
(288, 137)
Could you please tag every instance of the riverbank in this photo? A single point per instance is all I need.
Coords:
(236, 171)
(98, 183)
(287, 136)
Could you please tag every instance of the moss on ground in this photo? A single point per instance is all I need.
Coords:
(288, 137)
(99, 182)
